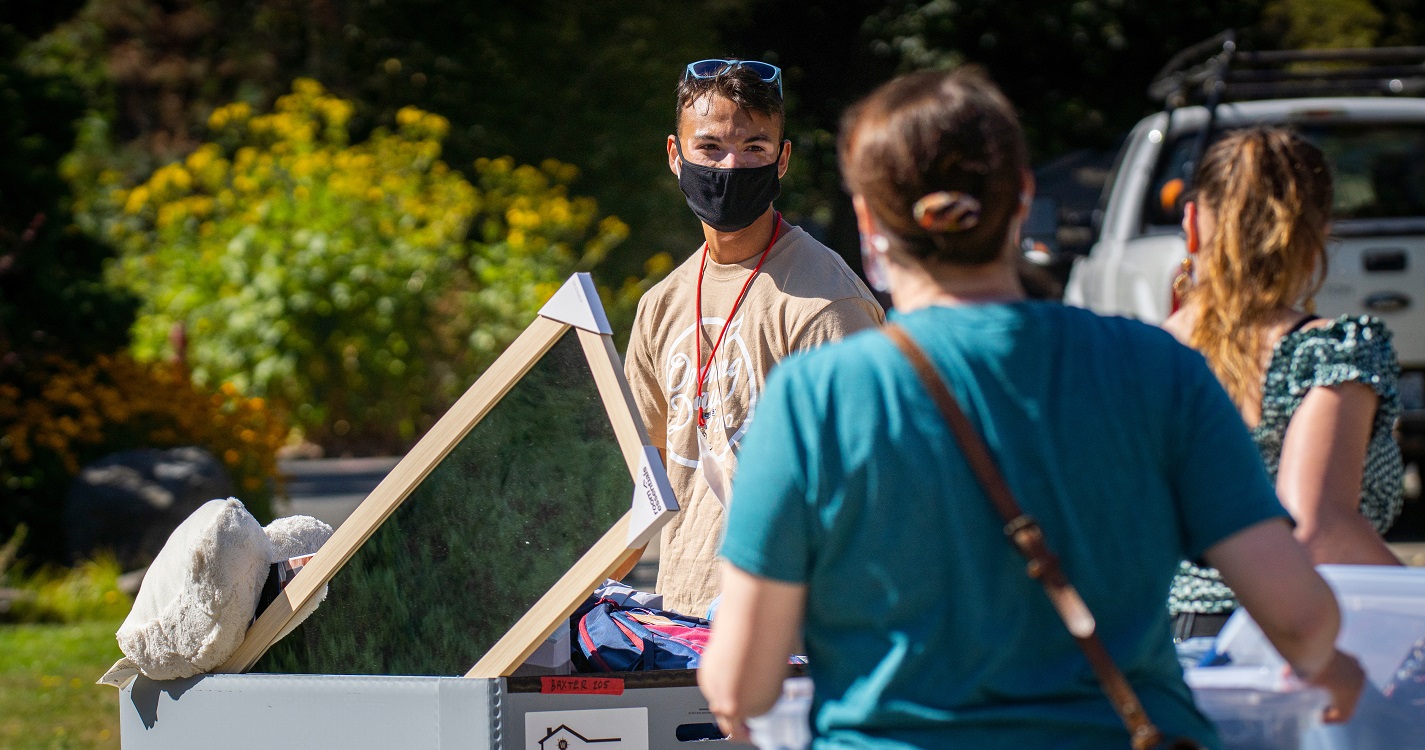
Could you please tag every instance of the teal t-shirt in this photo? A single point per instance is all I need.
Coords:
(922, 627)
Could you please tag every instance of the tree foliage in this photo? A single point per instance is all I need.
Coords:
(1077, 69)
(67, 396)
(589, 83)
(1323, 24)
(360, 284)
(52, 296)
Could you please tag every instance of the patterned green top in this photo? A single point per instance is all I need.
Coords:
(1348, 349)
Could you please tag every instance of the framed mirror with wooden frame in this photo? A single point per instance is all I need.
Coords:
(493, 528)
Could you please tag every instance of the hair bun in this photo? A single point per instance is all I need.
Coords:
(947, 211)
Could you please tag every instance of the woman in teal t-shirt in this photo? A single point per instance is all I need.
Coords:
(857, 527)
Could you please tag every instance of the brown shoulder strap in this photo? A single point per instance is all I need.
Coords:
(1024, 532)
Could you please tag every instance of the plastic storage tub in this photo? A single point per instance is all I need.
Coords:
(1255, 703)
(1383, 623)
(1257, 708)
(788, 725)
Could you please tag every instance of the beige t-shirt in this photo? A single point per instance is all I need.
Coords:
(804, 296)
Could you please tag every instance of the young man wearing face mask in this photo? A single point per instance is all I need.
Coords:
(757, 290)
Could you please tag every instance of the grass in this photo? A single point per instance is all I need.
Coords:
(48, 698)
(58, 640)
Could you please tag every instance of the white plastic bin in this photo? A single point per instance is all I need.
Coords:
(1255, 703)
(1383, 618)
(788, 725)
(1257, 708)
(1383, 614)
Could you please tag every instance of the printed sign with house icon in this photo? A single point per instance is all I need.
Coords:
(598, 729)
(564, 738)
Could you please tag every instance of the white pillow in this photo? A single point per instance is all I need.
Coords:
(198, 596)
(295, 536)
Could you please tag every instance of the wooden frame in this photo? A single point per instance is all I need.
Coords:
(577, 306)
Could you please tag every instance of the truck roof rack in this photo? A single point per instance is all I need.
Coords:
(1216, 70)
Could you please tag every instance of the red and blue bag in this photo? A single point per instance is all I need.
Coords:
(613, 638)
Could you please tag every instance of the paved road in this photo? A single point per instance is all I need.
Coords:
(331, 488)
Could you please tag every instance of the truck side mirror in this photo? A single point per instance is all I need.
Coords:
(1039, 235)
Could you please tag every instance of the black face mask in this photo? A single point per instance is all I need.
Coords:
(728, 199)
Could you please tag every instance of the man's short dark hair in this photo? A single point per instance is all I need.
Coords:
(738, 84)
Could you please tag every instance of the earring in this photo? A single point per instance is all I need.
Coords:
(873, 261)
(1184, 280)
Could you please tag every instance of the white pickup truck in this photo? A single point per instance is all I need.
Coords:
(1376, 147)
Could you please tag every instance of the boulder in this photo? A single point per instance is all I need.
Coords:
(129, 502)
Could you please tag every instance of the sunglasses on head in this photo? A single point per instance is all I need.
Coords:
(704, 69)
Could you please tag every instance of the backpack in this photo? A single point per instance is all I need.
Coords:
(614, 638)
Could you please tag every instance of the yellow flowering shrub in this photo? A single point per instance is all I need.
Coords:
(361, 285)
(63, 414)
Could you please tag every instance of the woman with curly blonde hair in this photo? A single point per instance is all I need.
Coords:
(1319, 395)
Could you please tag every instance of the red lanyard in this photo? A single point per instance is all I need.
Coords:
(698, 324)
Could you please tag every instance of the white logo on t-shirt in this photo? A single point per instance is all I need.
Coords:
(729, 381)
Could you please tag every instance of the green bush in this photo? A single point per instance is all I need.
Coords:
(87, 592)
(63, 415)
(361, 285)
